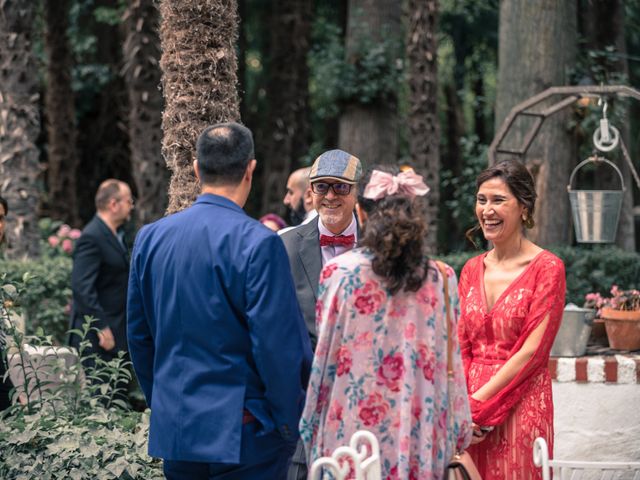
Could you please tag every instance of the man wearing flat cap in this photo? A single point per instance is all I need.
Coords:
(333, 177)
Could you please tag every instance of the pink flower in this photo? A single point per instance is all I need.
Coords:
(53, 241)
(327, 271)
(416, 408)
(323, 394)
(363, 341)
(344, 361)
(372, 409)
(391, 371)
(426, 361)
(414, 469)
(64, 230)
(67, 245)
(404, 444)
(335, 412)
(74, 234)
(368, 298)
(410, 331)
(393, 473)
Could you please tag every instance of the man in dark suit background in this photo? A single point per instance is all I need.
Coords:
(334, 177)
(100, 272)
(215, 331)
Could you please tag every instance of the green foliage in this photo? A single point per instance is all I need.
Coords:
(372, 72)
(597, 269)
(46, 303)
(73, 427)
(588, 270)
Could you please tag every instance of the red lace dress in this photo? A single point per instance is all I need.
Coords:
(522, 410)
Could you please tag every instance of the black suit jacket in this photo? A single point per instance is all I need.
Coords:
(99, 281)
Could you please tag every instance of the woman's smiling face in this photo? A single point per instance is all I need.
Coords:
(499, 211)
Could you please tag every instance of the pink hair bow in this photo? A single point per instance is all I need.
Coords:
(407, 184)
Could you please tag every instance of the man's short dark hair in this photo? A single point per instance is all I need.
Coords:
(106, 191)
(4, 203)
(224, 151)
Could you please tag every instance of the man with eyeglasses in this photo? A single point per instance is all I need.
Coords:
(334, 177)
(100, 273)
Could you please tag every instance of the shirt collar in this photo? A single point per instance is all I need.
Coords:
(352, 229)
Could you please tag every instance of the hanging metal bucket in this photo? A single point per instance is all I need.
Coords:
(595, 212)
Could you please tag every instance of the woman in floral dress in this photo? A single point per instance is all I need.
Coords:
(512, 299)
(381, 360)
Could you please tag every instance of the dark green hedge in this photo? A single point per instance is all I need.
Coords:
(593, 269)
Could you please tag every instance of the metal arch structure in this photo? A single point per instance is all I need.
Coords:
(569, 95)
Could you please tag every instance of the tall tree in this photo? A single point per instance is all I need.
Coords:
(424, 126)
(198, 62)
(537, 47)
(287, 133)
(103, 103)
(60, 116)
(606, 42)
(370, 130)
(19, 126)
(142, 75)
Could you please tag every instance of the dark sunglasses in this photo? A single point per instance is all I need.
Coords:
(322, 188)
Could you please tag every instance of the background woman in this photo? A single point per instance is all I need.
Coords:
(380, 363)
(512, 299)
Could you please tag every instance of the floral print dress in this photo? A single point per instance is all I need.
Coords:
(381, 365)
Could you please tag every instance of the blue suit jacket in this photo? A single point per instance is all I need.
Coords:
(214, 327)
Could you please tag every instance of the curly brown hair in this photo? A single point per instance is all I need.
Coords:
(395, 233)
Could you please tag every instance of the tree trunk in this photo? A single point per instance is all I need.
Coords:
(142, 74)
(599, 36)
(287, 126)
(19, 127)
(537, 48)
(62, 135)
(370, 131)
(103, 137)
(424, 126)
(198, 39)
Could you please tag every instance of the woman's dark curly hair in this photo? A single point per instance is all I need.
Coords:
(395, 233)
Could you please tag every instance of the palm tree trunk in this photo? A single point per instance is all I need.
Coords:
(424, 126)
(142, 75)
(19, 126)
(198, 39)
(62, 135)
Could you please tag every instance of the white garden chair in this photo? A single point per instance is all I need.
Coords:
(570, 470)
(365, 466)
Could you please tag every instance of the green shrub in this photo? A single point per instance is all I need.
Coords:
(47, 300)
(588, 269)
(75, 427)
(597, 269)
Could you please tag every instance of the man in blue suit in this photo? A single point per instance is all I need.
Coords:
(215, 331)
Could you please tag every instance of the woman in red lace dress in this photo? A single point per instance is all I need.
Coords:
(512, 299)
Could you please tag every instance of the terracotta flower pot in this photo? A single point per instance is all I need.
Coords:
(623, 328)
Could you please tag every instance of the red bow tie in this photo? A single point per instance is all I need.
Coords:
(343, 240)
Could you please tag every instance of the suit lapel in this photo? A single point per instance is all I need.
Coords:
(113, 240)
(310, 255)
